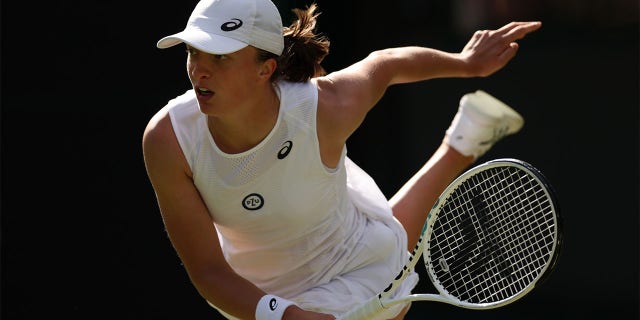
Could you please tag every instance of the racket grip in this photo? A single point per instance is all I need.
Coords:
(364, 311)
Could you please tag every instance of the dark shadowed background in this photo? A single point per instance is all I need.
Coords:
(82, 237)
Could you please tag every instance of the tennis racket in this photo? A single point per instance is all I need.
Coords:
(490, 238)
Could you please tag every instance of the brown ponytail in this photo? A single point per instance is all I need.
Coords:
(303, 49)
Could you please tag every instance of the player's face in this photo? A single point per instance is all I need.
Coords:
(223, 83)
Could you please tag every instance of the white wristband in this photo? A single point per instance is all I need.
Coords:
(271, 307)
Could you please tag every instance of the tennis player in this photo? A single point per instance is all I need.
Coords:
(269, 216)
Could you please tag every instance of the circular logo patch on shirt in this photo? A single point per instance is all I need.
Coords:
(253, 201)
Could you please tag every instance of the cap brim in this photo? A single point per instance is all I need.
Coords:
(203, 41)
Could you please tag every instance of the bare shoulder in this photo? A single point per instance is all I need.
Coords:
(159, 143)
(158, 132)
(340, 112)
(345, 97)
(328, 95)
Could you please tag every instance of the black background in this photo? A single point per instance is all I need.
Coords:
(82, 237)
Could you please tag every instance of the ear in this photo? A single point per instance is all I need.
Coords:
(267, 68)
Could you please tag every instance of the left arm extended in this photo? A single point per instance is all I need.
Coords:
(347, 95)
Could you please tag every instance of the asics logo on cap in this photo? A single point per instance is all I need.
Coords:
(234, 24)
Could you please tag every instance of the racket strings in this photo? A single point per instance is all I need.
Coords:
(497, 257)
(500, 255)
(463, 208)
(482, 231)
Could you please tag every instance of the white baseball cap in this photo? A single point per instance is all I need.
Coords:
(225, 26)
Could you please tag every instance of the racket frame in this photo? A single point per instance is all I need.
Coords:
(444, 295)
(384, 299)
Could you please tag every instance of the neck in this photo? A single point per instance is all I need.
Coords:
(246, 129)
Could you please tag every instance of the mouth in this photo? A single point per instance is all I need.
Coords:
(203, 92)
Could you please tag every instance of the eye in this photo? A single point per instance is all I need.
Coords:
(220, 57)
(191, 51)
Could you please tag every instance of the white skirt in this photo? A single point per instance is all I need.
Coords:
(381, 254)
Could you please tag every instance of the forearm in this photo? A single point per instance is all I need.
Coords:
(411, 64)
(229, 292)
(239, 298)
(485, 53)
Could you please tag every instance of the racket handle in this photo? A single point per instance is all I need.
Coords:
(364, 311)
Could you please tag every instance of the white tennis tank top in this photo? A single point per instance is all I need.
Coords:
(285, 221)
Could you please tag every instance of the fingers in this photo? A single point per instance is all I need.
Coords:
(515, 24)
(489, 50)
(506, 36)
(517, 30)
(509, 52)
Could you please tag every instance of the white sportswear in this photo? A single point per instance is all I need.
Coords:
(322, 237)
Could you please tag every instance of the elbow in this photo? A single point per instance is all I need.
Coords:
(382, 55)
(387, 66)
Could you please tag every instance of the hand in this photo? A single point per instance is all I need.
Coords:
(490, 50)
(295, 313)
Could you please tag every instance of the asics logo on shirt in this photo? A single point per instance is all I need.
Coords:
(253, 202)
(231, 25)
(287, 146)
